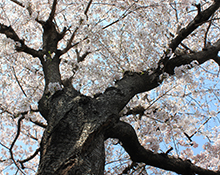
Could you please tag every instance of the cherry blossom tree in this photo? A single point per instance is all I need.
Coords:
(109, 87)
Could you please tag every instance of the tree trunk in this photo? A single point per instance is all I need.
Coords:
(73, 142)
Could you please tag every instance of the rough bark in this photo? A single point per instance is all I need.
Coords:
(73, 142)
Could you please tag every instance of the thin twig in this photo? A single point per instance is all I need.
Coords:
(126, 13)
(73, 45)
(18, 129)
(18, 82)
(200, 127)
(176, 12)
(161, 96)
(29, 158)
(6, 111)
(70, 40)
(87, 9)
(69, 43)
(120, 18)
(4, 146)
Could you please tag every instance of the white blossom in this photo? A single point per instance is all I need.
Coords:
(53, 87)
(179, 71)
(194, 63)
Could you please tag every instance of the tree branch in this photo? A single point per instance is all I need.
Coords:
(38, 123)
(127, 136)
(17, 2)
(20, 46)
(133, 83)
(70, 45)
(29, 158)
(206, 33)
(21, 5)
(82, 57)
(183, 45)
(87, 8)
(217, 60)
(202, 17)
(125, 14)
(10, 33)
(15, 139)
(16, 78)
(210, 52)
(52, 13)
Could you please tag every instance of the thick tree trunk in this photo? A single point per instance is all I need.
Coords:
(73, 142)
(61, 157)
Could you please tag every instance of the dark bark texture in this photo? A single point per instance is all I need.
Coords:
(73, 142)
(77, 125)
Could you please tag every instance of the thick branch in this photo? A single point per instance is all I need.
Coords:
(210, 53)
(217, 60)
(20, 47)
(127, 136)
(10, 33)
(136, 82)
(202, 17)
(52, 13)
